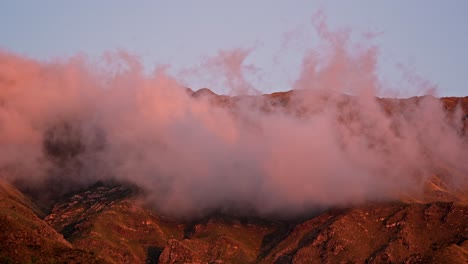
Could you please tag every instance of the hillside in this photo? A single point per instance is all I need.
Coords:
(105, 224)
(26, 238)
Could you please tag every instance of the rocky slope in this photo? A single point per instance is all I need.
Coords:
(107, 224)
(386, 233)
(26, 238)
(110, 222)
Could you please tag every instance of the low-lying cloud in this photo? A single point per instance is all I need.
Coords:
(66, 124)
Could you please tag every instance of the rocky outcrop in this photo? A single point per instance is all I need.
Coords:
(386, 233)
(26, 238)
(68, 216)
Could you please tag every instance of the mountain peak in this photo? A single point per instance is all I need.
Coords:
(203, 92)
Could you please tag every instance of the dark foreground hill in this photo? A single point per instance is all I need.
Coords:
(107, 222)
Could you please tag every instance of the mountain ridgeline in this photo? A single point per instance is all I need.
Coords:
(87, 208)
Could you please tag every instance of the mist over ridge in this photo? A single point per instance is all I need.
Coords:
(330, 142)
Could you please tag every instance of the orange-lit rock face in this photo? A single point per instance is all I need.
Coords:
(105, 223)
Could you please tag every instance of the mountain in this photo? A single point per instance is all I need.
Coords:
(107, 224)
(110, 221)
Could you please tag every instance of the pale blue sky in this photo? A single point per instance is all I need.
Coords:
(429, 37)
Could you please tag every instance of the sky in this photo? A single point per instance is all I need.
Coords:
(427, 38)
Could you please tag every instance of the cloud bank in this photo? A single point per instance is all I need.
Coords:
(66, 124)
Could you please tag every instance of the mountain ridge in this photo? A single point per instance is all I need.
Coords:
(112, 222)
(127, 231)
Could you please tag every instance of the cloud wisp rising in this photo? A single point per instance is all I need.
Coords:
(72, 123)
